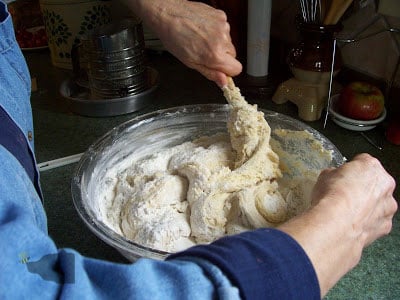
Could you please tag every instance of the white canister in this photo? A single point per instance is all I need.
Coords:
(66, 21)
(258, 37)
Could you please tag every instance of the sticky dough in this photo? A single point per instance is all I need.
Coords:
(204, 189)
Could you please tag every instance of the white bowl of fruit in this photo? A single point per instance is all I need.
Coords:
(359, 106)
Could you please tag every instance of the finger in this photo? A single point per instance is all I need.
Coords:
(204, 9)
(362, 156)
(326, 173)
(221, 57)
(384, 228)
(378, 234)
(229, 65)
(217, 73)
(221, 79)
(230, 50)
(390, 207)
(218, 77)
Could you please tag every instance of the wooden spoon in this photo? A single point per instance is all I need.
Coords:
(336, 11)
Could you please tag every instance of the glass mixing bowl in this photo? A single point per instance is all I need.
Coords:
(155, 131)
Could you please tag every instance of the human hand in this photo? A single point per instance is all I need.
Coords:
(196, 33)
(353, 206)
(363, 192)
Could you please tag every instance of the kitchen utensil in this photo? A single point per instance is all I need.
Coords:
(310, 10)
(330, 81)
(80, 99)
(114, 60)
(336, 10)
(59, 162)
(369, 140)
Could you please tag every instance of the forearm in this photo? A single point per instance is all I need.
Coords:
(331, 245)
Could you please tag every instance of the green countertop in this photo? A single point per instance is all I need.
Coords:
(60, 133)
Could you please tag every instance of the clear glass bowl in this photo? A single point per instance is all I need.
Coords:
(155, 131)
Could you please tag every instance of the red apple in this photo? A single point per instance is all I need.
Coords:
(393, 132)
(361, 101)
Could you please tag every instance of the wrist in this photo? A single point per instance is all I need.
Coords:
(339, 215)
(325, 233)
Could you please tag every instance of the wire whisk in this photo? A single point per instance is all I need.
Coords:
(311, 11)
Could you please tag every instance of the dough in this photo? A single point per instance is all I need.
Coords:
(212, 186)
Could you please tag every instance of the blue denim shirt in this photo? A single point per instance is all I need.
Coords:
(265, 263)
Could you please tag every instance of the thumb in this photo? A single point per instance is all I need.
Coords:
(218, 77)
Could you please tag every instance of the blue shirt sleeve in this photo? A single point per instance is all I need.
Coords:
(264, 264)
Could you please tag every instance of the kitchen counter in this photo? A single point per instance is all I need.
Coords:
(60, 133)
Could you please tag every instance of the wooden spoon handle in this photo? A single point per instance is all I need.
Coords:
(324, 7)
(336, 11)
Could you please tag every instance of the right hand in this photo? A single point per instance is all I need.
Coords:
(363, 192)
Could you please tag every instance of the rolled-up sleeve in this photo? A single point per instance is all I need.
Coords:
(263, 264)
